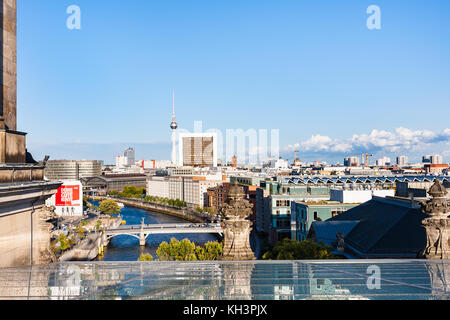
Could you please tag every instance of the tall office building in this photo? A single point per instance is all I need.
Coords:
(436, 159)
(198, 149)
(433, 159)
(130, 156)
(402, 161)
(174, 127)
(351, 161)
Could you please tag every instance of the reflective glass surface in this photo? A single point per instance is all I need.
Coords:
(258, 280)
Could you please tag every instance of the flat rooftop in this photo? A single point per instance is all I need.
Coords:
(255, 280)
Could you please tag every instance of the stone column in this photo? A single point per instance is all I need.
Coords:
(237, 228)
(436, 224)
(12, 143)
(8, 78)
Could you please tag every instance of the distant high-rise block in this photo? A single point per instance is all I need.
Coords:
(433, 159)
(130, 155)
(198, 149)
(402, 161)
(351, 161)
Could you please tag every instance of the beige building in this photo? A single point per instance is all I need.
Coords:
(195, 190)
(158, 187)
(192, 189)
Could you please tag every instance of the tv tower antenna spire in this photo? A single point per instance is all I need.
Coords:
(174, 127)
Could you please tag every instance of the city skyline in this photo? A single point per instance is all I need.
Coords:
(331, 86)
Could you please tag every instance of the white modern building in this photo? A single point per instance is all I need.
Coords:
(385, 161)
(358, 196)
(279, 164)
(158, 187)
(433, 159)
(402, 161)
(121, 162)
(128, 159)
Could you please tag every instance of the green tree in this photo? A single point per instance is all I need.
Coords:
(98, 225)
(198, 209)
(65, 242)
(183, 250)
(146, 257)
(186, 250)
(288, 249)
(133, 192)
(113, 193)
(109, 207)
(212, 251)
(81, 232)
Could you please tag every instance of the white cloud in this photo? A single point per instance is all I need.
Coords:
(378, 140)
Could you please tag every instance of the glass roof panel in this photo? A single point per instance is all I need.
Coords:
(255, 280)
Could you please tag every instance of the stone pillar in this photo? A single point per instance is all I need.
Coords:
(142, 240)
(436, 224)
(12, 143)
(237, 228)
(8, 75)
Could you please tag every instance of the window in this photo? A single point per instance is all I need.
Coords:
(315, 215)
(283, 203)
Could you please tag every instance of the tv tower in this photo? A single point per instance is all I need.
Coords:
(174, 127)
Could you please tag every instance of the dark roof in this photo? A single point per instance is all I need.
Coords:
(326, 231)
(386, 228)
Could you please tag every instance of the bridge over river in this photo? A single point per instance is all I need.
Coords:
(142, 232)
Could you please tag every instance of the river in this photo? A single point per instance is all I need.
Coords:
(127, 248)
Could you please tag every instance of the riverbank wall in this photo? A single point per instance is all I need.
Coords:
(183, 213)
(86, 250)
(90, 248)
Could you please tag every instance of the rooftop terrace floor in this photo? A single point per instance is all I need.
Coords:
(256, 280)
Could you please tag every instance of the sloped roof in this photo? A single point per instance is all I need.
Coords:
(383, 229)
(326, 231)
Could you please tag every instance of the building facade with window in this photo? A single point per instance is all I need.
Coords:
(113, 182)
(273, 206)
(72, 169)
(303, 214)
(192, 189)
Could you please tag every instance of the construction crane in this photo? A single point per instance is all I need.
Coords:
(367, 158)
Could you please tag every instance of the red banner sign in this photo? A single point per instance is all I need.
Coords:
(68, 196)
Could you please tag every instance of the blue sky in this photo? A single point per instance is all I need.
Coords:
(311, 69)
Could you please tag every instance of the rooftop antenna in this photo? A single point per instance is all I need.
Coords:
(174, 127)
